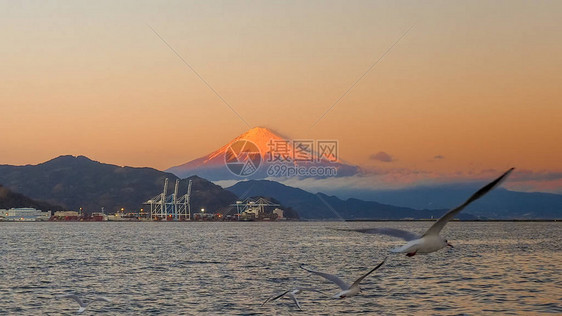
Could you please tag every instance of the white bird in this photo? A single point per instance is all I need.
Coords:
(430, 241)
(346, 289)
(291, 293)
(81, 303)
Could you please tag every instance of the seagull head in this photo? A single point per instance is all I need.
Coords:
(448, 244)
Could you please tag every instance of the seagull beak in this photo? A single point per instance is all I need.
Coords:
(449, 244)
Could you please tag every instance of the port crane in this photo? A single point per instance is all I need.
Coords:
(172, 207)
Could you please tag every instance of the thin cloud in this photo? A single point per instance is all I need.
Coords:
(382, 156)
(529, 175)
(400, 178)
(439, 157)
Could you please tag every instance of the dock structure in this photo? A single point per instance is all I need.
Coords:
(171, 207)
(255, 206)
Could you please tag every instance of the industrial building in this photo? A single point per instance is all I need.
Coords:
(66, 216)
(255, 209)
(24, 215)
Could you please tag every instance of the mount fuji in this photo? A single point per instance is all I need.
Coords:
(252, 154)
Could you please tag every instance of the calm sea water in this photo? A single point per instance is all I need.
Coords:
(231, 268)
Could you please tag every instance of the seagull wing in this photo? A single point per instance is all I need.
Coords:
(294, 298)
(273, 298)
(339, 282)
(399, 233)
(102, 298)
(356, 283)
(309, 289)
(74, 297)
(438, 226)
(407, 246)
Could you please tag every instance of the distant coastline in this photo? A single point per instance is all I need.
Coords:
(455, 220)
(308, 221)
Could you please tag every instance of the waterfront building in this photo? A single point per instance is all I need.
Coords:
(24, 214)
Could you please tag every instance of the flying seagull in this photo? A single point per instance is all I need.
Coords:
(431, 241)
(81, 303)
(291, 293)
(347, 290)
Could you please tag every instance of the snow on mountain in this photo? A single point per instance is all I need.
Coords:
(252, 155)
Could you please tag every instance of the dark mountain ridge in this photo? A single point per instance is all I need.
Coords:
(79, 182)
(9, 199)
(322, 206)
(498, 204)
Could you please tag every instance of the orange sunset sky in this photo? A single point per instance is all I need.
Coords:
(473, 86)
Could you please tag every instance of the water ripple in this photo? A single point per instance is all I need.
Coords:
(231, 268)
